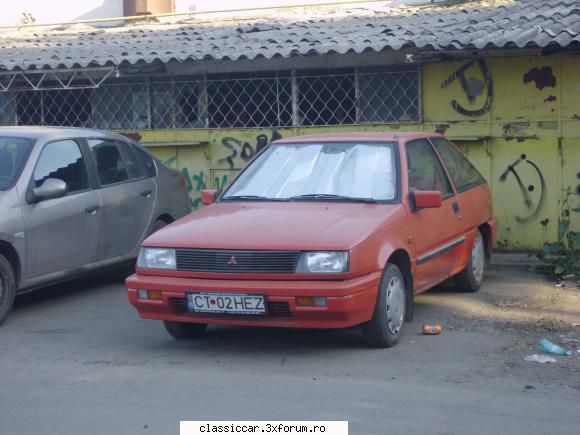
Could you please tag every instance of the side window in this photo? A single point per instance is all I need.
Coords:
(110, 164)
(463, 173)
(134, 167)
(146, 160)
(62, 160)
(425, 169)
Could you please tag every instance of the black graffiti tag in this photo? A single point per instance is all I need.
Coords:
(472, 88)
(244, 149)
(511, 169)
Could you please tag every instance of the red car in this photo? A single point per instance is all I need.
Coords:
(323, 231)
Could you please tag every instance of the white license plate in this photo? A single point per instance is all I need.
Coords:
(226, 303)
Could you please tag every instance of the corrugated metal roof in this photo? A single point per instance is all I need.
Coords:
(471, 25)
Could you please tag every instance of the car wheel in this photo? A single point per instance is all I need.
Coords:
(185, 331)
(470, 279)
(7, 288)
(384, 329)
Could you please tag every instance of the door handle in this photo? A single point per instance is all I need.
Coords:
(456, 209)
(146, 193)
(92, 209)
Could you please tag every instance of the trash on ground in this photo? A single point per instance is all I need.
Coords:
(548, 346)
(506, 304)
(542, 359)
(431, 329)
(572, 341)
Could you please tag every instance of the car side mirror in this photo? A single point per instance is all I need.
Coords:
(208, 196)
(51, 188)
(426, 199)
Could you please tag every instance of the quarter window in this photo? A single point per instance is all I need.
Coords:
(146, 160)
(425, 169)
(62, 160)
(463, 173)
(110, 164)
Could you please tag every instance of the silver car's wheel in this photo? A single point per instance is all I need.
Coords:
(470, 279)
(7, 288)
(384, 329)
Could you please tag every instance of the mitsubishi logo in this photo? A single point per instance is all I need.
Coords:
(232, 261)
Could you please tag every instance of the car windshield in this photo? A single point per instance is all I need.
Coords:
(13, 154)
(320, 172)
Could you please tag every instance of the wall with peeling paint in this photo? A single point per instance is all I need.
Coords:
(517, 118)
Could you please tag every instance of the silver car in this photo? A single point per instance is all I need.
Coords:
(74, 200)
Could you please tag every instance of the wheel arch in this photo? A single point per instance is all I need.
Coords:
(486, 233)
(8, 251)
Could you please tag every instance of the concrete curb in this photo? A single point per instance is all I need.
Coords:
(522, 260)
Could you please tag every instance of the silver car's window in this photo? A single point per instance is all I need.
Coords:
(62, 160)
(134, 167)
(110, 164)
(13, 154)
(350, 170)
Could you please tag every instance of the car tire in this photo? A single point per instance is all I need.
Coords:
(385, 327)
(185, 331)
(7, 288)
(470, 279)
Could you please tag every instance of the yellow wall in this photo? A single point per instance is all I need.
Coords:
(524, 113)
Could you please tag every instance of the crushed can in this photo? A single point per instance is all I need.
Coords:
(431, 329)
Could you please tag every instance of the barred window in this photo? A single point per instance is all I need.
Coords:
(257, 102)
(327, 100)
(312, 98)
(176, 105)
(121, 107)
(71, 108)
(389, 97)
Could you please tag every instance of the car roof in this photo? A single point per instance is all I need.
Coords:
(49, 133)
(356, 137)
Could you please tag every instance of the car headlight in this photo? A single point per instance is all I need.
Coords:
(323, 262)
(157, 258)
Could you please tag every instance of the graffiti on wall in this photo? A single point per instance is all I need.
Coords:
(472, 87)
(238, 149)
(194, 183)
(526, 188)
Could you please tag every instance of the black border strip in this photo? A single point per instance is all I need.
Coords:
(440, 250)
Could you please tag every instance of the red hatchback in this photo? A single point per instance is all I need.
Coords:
(325, 231)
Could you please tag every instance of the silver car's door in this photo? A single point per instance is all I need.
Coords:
(127, 195)
(61, 233)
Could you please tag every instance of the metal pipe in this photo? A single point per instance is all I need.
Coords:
(189, 13)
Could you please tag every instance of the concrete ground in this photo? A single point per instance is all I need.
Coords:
(75, 358)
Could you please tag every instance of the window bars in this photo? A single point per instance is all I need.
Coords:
(356, 97)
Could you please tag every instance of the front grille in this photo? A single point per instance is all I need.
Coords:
(221, 261)
(275, 309)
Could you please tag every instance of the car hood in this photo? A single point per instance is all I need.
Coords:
(273, 225)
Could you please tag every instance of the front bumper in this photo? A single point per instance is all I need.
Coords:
(350, 302)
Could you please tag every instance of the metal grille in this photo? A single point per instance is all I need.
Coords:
(275, 309)
(209, 260)
(282, 101)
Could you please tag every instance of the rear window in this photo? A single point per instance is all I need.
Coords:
(463, 173)
(14, 152)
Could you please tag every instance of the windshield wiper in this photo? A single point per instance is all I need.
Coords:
(330, 197)
(251, 198)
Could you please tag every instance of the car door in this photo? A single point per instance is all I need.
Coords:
(472, 190)
(127, 195)
(436, 231)
(61, 233)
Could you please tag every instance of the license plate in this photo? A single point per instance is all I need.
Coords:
(226, 303)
